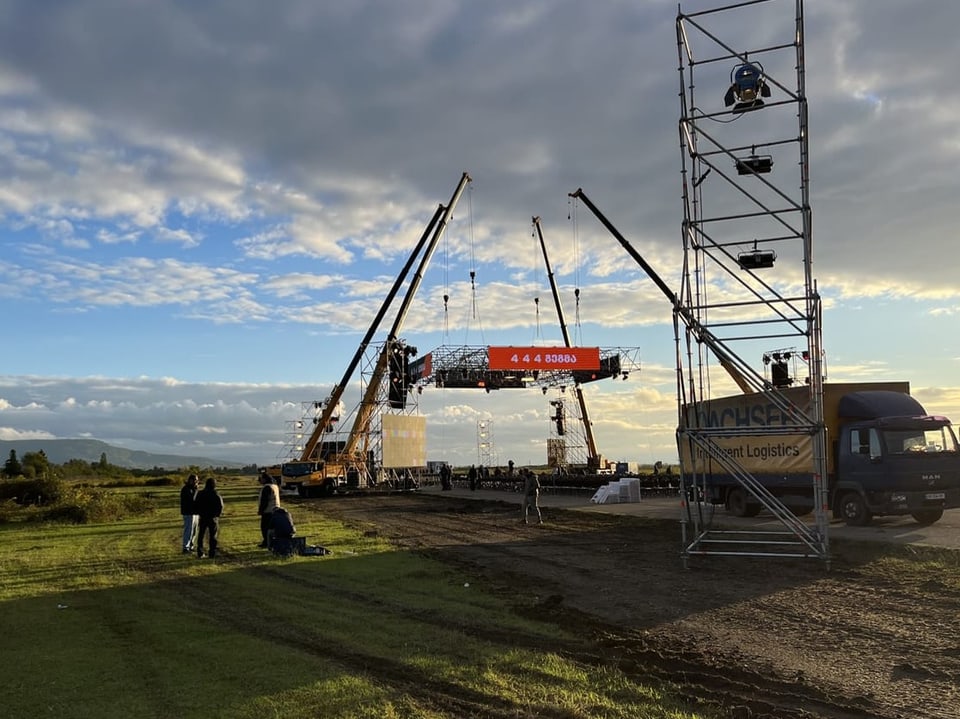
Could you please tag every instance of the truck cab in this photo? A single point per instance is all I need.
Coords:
(896, 465)
(308, 478)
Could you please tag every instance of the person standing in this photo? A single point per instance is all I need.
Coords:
(188, 493)
(531, 495)
(209, 506)
(269, 502)
(472, 477)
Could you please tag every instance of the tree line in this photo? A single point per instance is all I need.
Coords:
(36, 465)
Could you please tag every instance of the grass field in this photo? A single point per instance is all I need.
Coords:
(111, 620)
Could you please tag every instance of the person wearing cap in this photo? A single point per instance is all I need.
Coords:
(269, 502)
(209, 506)
(188, 494)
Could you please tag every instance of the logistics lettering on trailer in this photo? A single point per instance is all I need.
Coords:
(764, 452)
(766, 415)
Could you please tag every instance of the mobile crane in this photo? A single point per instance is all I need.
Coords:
(323, 466)
(593, 457)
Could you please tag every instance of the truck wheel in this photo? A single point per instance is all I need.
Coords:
(738, 504)
(927, 516)
(853, 510)
(330, 488)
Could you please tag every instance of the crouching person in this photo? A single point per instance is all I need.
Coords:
(281, 533)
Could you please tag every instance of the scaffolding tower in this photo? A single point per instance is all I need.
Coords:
(567, 447)
(340, 423)
(747, 282)
(486, 449)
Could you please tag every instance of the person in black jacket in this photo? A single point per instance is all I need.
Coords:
(269, 501)
(209, 506)
(187, 495)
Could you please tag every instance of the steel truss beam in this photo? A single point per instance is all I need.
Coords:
(468, 367)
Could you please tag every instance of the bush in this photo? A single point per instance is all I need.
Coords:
(84, 506)
(137, 482)
(161, 482)
(8, 510)
(44, 491)
(55, 501)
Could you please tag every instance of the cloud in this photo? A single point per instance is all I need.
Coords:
(230, 176)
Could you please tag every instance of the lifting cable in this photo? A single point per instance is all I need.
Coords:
(536, 284)
(474, 313)
(572, 215)
(446, 283)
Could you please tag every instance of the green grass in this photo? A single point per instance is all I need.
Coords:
(111, 620)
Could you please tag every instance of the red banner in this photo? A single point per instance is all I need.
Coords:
(545, 358)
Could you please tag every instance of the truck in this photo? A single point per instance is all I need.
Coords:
(885, 454)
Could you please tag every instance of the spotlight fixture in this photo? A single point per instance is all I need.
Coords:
(747, 87)
(756, 259)
(754, 165)
(780, 375)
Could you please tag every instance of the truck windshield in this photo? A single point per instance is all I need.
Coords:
(298, 469)
(916, 441)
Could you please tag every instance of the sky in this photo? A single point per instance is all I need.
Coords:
(203, 205)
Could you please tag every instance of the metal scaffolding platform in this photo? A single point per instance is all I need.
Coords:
(747, 282)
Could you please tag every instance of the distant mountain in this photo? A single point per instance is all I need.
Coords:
(59, 451)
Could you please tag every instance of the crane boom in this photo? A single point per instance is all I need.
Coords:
(323, 469)
(742, 374)
(338, 389)
(593, 458)
(368, 403)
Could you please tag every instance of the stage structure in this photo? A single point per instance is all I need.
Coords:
(747, 282)
(553, 370)
(493, 368)
(746, 279)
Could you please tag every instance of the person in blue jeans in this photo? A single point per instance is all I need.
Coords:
(188, 494)
(209, 506)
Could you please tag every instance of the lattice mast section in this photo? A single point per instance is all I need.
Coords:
(486, 446)
(568, 447)
(747, 278)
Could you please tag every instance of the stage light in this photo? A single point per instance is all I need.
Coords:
(756, 259)
(747, 87)
(755, 164)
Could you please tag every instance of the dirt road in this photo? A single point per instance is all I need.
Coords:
(768, 638)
